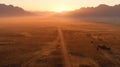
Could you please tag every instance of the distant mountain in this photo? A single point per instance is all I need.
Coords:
(100, 11)
(10, 10)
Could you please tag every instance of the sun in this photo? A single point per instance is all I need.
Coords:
(62, 9)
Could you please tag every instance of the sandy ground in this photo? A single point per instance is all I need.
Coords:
(36, 42)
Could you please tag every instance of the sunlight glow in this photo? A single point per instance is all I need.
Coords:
(62, 9)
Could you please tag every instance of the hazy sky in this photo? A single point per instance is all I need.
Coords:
(54, 5)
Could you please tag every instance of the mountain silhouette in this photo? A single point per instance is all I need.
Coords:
(10, 10)
(99, 11)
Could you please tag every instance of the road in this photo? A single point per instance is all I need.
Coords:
(38, 54)
(66, 55)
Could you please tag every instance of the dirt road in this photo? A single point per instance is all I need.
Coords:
(66, 57)
(64, 51)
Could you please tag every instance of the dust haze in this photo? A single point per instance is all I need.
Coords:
(59, 41)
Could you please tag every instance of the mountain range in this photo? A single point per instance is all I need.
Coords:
(99, 11)
(10, 10)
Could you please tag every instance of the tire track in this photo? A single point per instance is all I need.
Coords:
(39, 54)
(48, 49)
